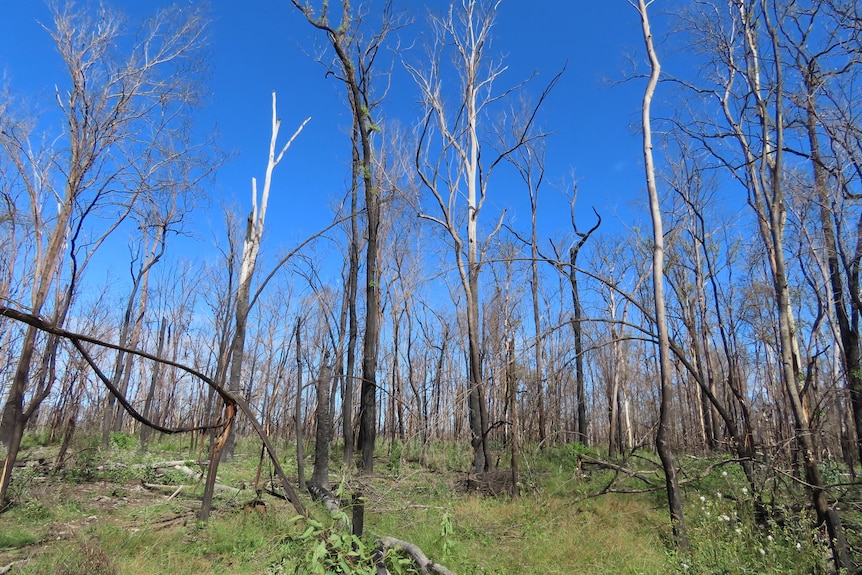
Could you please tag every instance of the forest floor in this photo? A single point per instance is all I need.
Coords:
(97, 517)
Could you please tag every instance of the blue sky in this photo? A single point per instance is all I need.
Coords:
(259, 46)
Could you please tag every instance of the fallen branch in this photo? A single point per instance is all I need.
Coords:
(198, 476)
(615, 467)
(229, 398)
(324, 495)
(7, 568)
(630, 473)
(425, 565)
(160, 487)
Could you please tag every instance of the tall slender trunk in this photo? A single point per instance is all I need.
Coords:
(297, 409)
(674, 496)
(155, 379)
(512, 396)
(577, 327)
(848, 330)
(537, 322)
(350, 304)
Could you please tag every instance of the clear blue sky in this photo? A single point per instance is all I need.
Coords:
(263, 45)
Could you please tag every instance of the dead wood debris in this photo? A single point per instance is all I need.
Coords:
(426, 566)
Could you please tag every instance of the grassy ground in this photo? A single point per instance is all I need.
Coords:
(96, 518)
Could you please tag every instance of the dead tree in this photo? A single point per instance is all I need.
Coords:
(356, 72)
(112, 104)
(320, 475)
(674, 494)
(448, 164)
(243, 302)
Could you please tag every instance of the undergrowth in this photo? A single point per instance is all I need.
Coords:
(97, 512)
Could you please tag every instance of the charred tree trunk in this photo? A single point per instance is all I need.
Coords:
(323, 437)
(297, 408)
(155, 379)
(577, 328)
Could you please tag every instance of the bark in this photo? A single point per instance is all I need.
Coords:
(577, 319)
(155, 379)
(356, 76)
(352, 321)
(512, 396)
(674, 495)
(297, 411)
(534, 294)
(320, 475)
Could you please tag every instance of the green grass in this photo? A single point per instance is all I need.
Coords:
(14, 536)
(98, 513)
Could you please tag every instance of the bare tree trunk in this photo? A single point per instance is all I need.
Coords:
(297, 411)
(512, 396)
(352, 321)
(320, 475)
(577, 328)
(674, 495)
(251, 247)
(154, 381)
(357, 79)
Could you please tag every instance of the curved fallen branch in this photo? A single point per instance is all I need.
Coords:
(425, 565)
(232, 402)
(128, 406)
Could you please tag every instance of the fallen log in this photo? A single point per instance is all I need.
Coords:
(325, 496)
(198, 476)
(426, 566)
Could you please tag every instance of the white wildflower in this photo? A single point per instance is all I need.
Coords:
(769, 538)
(724, 518)
(702, 499)
(762, 551)
(724, 473)
(718, 494)
(738, 531)
(744, 491)
(799, 546)
(686, 567)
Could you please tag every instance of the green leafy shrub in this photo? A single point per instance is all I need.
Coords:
(122, 441)
(319, 550)
(36, 439)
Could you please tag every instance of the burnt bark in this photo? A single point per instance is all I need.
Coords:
(323, 437)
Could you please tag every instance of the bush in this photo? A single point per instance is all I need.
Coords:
(122, 441)
(37, 439)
